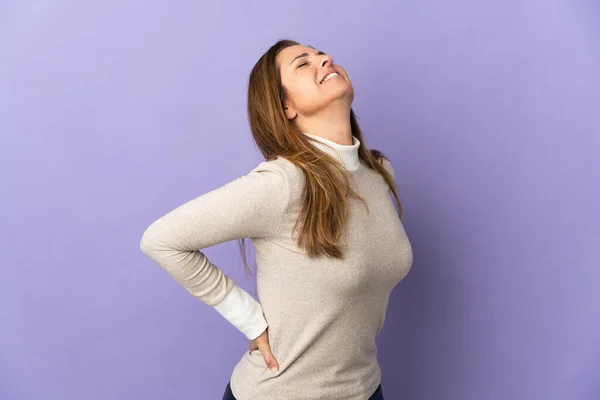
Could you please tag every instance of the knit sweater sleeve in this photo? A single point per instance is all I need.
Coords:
(251, 206)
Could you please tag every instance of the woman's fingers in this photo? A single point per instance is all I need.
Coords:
(252, 345)
(265, 349)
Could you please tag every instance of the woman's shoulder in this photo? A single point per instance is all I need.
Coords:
(284, 166)
(387, 165)
(294, 177)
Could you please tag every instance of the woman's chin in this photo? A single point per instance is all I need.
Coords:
(343, 92)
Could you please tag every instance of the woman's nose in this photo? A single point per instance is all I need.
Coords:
(326, 58)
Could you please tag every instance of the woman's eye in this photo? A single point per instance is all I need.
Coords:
(302, 64)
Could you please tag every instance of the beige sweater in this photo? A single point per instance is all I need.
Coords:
(323, 314)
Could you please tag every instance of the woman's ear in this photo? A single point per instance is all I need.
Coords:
(289, 113)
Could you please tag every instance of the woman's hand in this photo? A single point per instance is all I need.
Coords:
(262, 343)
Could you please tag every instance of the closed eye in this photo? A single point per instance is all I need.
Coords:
(300, 65)
(305, 54)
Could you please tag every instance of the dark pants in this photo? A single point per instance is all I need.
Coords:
(378, 395)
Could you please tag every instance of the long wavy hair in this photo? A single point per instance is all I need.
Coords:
(324, 212)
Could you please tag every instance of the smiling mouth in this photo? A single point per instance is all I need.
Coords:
(330, 76)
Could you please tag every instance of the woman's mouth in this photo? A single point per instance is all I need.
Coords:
(330, 76)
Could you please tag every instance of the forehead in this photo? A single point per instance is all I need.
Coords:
(286, 55)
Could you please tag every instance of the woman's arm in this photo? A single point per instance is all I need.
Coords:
(251, 206)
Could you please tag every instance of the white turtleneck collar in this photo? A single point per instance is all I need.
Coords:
(346, 154)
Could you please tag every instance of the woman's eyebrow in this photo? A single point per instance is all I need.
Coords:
(305, 54)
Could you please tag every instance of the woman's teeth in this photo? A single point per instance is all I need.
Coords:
(328, 77)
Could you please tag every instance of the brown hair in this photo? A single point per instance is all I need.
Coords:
(324, 212)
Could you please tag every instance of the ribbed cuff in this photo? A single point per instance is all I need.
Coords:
(243, 312)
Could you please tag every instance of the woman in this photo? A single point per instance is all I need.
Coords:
(329, 244)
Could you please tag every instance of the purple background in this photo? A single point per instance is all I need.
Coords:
(112, 113)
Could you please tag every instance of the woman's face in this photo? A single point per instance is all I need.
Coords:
(303, 70)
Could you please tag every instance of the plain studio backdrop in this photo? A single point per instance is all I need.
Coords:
(113, 112)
